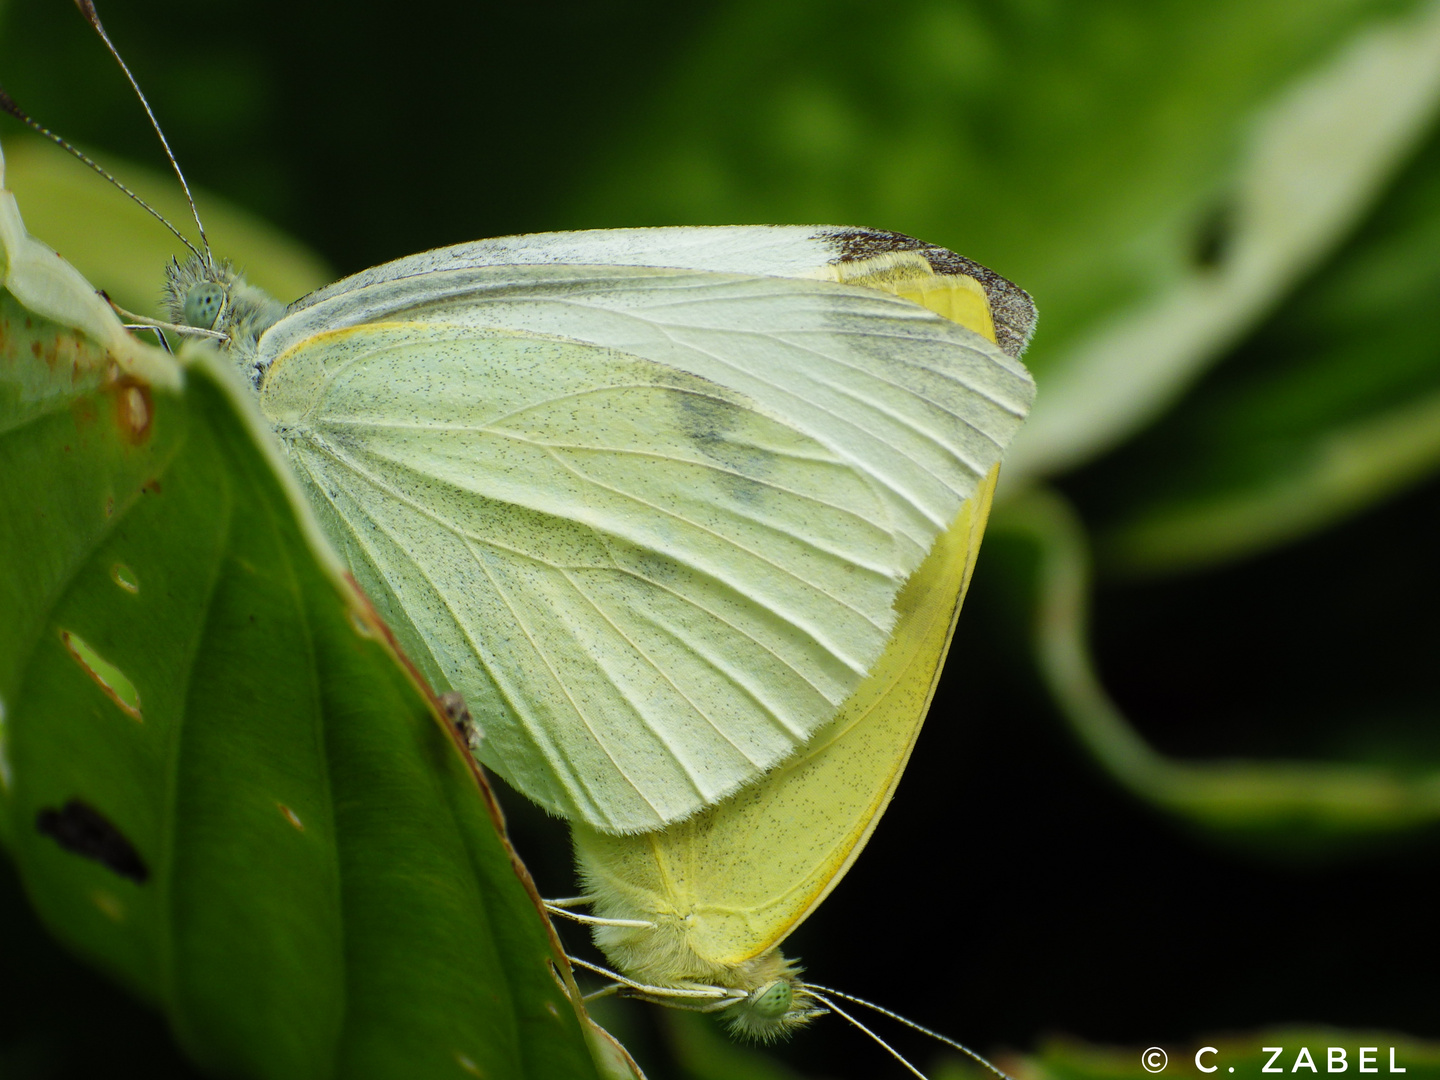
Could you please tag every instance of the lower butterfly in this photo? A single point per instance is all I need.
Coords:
(692, 916)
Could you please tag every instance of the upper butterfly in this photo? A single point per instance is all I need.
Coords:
(645, 497)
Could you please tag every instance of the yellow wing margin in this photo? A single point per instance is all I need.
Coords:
(908, 275)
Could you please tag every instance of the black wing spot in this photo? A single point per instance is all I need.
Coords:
(80, 828)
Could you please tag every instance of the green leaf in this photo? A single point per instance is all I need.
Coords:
(1279, 804)
(1331, 407)
(232, 798)
(1158, 176)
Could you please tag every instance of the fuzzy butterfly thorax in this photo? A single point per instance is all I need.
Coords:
(210, 295)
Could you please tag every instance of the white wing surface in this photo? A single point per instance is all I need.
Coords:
(651, 522)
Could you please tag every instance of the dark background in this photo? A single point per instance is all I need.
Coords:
(1013, 891)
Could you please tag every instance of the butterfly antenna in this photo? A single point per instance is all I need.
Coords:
(87, 8)
(7, 103)
(845, 1015)
(908, 1023)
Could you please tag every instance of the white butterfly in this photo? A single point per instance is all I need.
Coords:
(645, 497)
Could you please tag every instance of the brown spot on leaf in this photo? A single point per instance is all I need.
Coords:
(79, 827)
(134, 409)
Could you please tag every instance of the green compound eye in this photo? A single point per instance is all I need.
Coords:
(203, 304)
(773, 1001)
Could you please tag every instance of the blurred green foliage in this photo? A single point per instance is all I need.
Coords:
(1229, 214)
(1332, 405)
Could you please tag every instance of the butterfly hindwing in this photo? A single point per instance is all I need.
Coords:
(729, 884)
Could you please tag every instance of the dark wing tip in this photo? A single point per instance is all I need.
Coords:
(1010, 305)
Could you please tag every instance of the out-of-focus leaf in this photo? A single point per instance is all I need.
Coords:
(217, 782)
(1157, 175)
(1284, 800)
(1314, 159)
(124, 250)
(1333, 406)
(1303, 1050)
(703, 1052)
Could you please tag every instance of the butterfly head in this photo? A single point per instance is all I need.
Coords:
(774, 1007)
(211, 295)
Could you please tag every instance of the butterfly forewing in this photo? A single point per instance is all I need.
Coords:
(675, 507)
